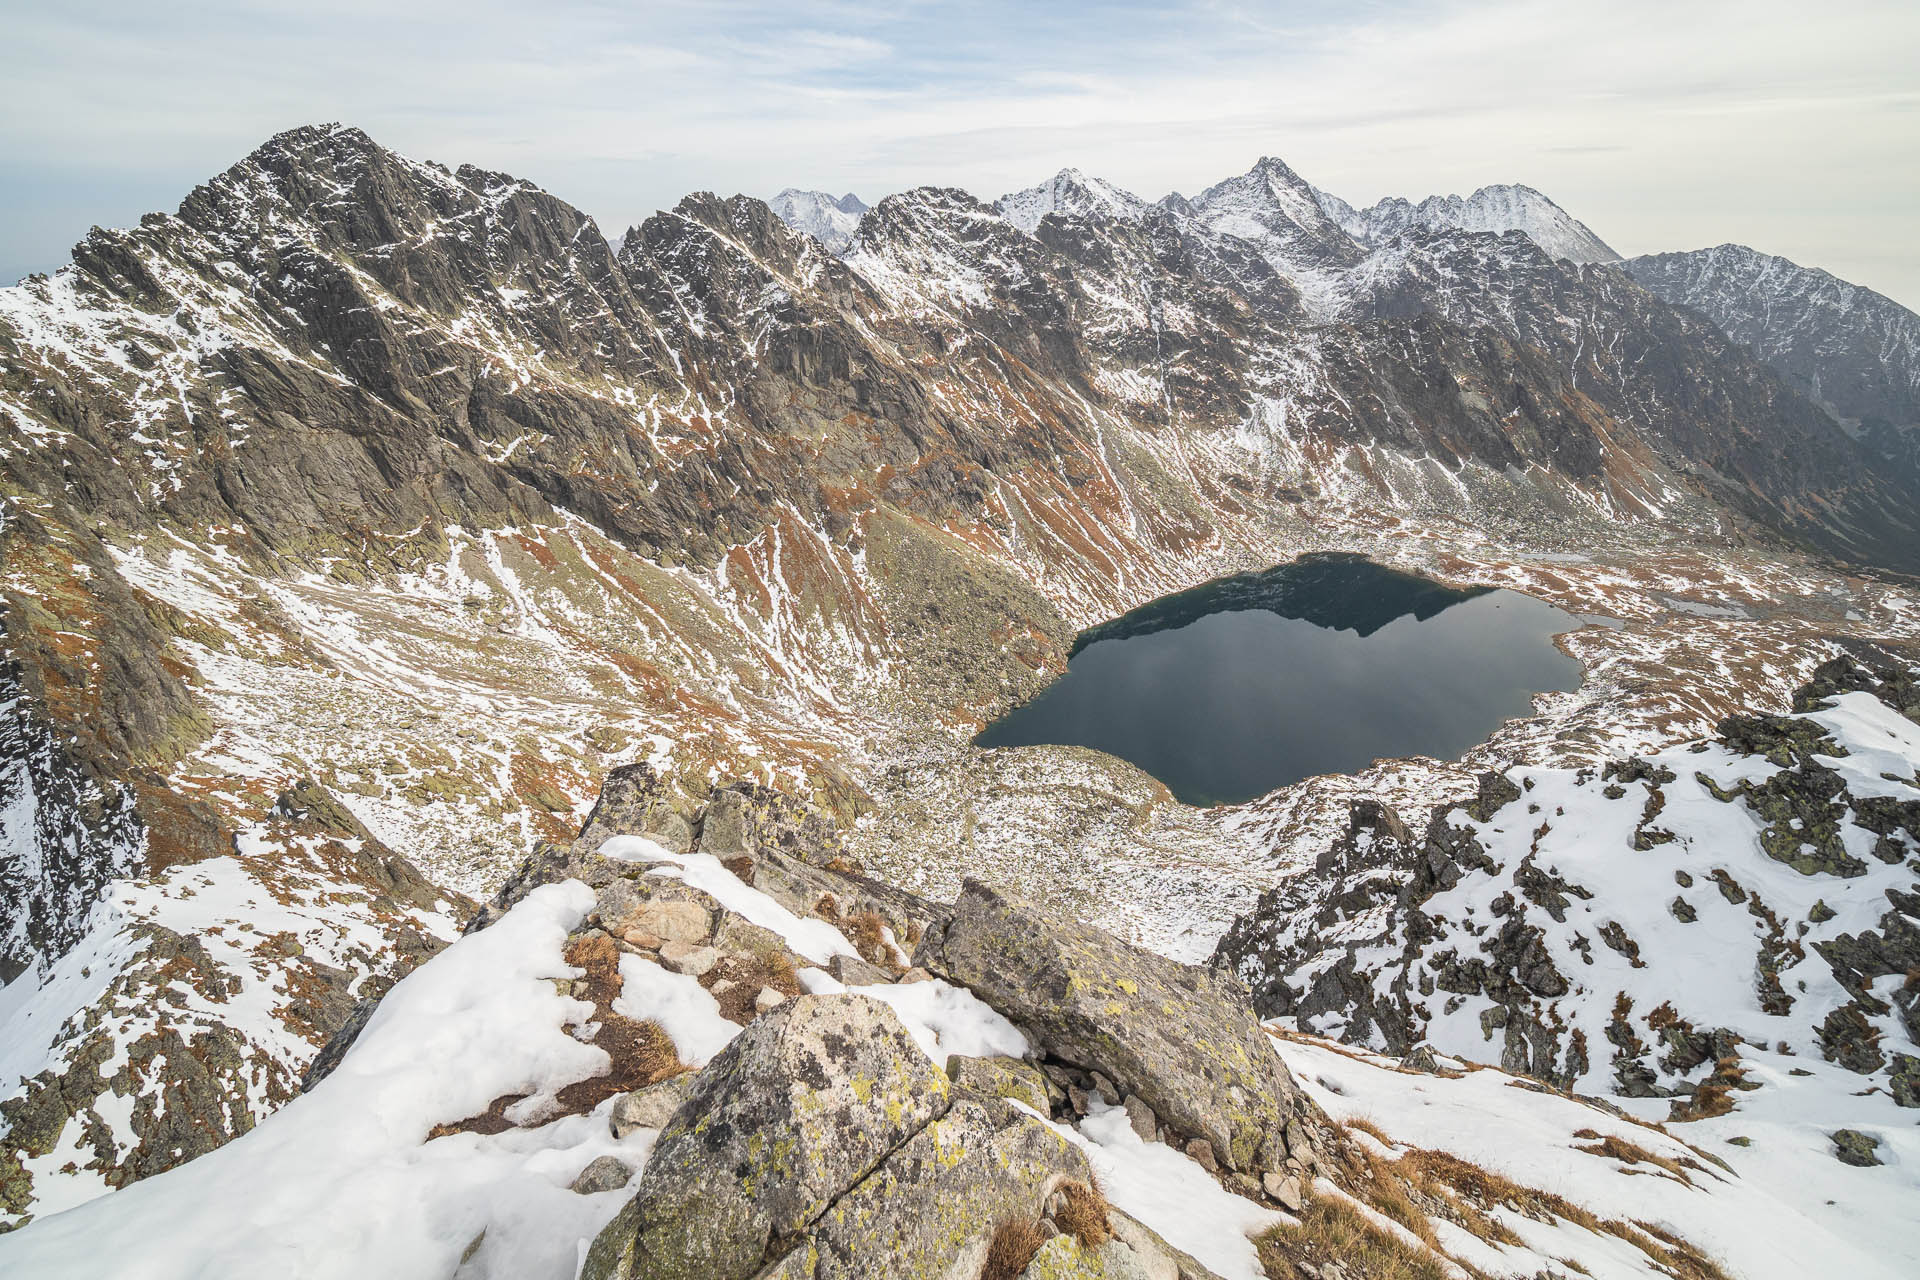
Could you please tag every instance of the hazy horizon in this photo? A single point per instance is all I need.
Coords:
(1661, 127)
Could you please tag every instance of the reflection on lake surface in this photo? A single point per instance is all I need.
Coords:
(1324, 665)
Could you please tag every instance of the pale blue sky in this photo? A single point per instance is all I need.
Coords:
(1665, 124)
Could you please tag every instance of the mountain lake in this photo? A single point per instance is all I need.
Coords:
(1322, 665)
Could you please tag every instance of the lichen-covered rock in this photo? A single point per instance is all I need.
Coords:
(1065, 1258)
(799, 1108)
(1184, 1039)
(1000, 1078)
(1850, 1146)
(929, 1210)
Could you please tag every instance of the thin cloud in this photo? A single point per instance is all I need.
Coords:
(1661, 125)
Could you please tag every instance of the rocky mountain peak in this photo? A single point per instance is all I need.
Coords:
(1499, 208)
(1070, 192)
(1854, 351)
(829, 219)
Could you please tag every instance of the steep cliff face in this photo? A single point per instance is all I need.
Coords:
(1847, 347)
(64, 835)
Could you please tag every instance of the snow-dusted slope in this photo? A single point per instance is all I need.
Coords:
(1273, 209)
(827, 218)
(1854, 350)
(1073, 192)
(1757, 1191)
(1500, 208)
(1724, 930)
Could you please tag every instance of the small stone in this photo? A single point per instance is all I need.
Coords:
(1141, 1117)
(1079, 1100)
(1741, 1141)
(685, 957)
(721, 986)
(915, 974)
(1821, 912)
(1682, 911)
(1855, 1148)
(1104, 1087)
(855, 972)
(1421, 1058)
(1299, 1141)
(608, 1173)
(1200, 1151)
(1284, 1190)
(651, 1107)
(768, 999)
(642, 939)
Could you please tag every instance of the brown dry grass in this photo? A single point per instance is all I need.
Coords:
(1329, 1230)
(1614, 1147)
(1084, 1214)
(866, 930)
(1485, 1189)
(1680, 1258)
(1014, 1243)
(749, 972)
(1369, 1128)
(1713, 1096)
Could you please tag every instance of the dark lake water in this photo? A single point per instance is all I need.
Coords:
(1323, 665)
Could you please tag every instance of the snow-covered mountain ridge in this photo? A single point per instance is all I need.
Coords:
(672, 1048)
(1498, 209)
(1853, 350)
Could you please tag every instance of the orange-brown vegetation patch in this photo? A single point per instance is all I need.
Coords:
(867, 931)
(1614, 1147)
(1083, 1213)
(1014, 1243)
(181, 829)
(741, 977)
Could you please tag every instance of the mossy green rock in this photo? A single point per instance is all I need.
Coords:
(800, 1107)
(1184, 1039)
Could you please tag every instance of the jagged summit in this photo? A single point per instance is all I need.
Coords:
(1071, 192)
(1273, 209)
(1499, 208)
(827, 218)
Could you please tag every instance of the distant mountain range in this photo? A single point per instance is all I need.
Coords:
(1854, 352)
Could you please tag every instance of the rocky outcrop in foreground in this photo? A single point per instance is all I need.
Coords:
(699, 1042)
(823, 1137)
